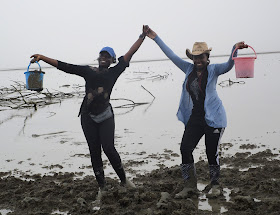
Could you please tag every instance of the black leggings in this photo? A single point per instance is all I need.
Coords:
(194, 130)
(100, 135)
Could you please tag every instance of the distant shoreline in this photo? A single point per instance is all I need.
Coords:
(141, 61)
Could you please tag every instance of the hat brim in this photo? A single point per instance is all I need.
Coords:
(190, 55)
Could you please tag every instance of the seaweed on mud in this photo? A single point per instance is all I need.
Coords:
(18, 97)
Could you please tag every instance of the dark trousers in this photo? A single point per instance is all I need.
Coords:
(100, 135)
(194, 130)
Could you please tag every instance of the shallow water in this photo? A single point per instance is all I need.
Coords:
(51, 140)
(5, 211)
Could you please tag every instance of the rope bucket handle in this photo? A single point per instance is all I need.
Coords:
(236, 49)
(30, 64)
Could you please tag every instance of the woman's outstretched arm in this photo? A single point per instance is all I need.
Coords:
(136, 45)
(38, 57)
(179, 62)
(227, 66)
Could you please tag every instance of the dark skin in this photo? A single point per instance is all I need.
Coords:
(104, 60)
(201, 63)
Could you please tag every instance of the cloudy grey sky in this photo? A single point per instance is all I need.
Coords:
(74, 31)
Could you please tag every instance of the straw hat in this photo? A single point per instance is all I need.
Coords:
(198, 49)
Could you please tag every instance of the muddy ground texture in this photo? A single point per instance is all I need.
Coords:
(252, 179)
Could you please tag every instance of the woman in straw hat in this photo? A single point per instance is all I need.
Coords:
(97, 117)
(200, 109)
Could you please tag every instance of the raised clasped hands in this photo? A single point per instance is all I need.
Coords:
(149, 32)
(144, 30)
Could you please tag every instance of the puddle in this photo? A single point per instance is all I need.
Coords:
(58, 212)
(214, 205)
(5, 211)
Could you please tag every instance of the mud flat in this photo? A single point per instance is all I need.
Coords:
(250, 182)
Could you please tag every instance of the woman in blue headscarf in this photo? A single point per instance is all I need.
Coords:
(97, 117)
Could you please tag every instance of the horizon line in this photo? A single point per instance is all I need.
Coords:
(141, 61)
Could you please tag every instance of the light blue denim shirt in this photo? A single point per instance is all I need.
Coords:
(215, 115)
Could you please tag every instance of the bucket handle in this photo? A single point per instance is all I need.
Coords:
(30, 64)
(236, 49)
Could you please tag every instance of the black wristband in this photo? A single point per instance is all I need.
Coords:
(141, 36)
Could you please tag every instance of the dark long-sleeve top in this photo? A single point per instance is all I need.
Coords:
(98, 86)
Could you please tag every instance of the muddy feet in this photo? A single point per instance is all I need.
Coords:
(163, 202)
(213, 191)
(100, 193)
(187, 192)
(129, 184)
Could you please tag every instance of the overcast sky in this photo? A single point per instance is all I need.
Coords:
(75, 31)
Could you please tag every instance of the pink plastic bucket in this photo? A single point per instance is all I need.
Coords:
(244, 66)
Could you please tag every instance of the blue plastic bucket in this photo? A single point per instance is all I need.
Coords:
(34, 79)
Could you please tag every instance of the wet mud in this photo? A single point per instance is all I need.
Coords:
(250, 185)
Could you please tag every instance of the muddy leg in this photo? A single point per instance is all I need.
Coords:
(190, 181)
